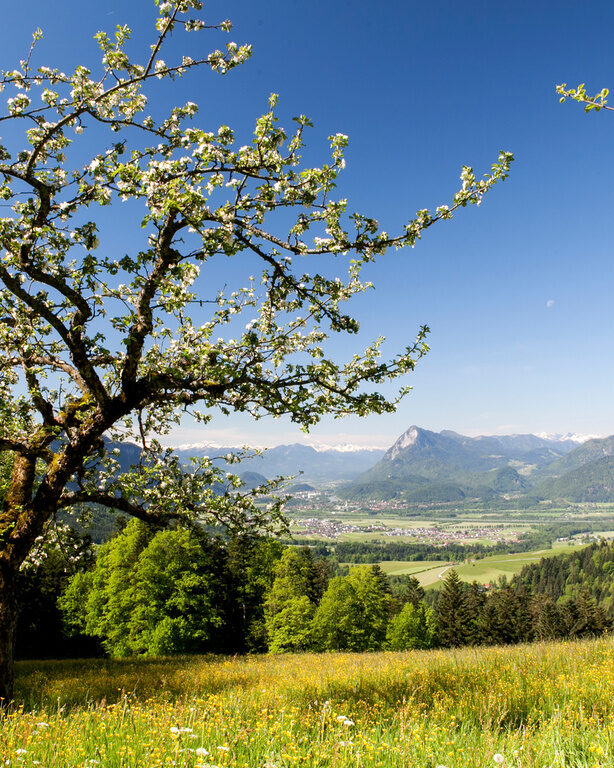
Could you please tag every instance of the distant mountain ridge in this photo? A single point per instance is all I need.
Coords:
(319, 466)
(590, 451)
(423, 466)
(318, 447)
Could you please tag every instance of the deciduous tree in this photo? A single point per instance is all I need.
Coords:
(150, 593)
(413, 627)
(290, 604)
(96, 342)
(353, 613)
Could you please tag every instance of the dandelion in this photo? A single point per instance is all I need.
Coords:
(201, 752)
(498, 758)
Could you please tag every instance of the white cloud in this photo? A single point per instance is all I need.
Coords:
(550, 303)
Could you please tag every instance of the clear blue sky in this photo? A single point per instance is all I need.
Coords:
(518, 292)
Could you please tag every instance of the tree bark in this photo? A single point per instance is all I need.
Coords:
(8, 621)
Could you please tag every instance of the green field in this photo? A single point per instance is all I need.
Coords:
(417, 568)
(485, 571)
(537, 706)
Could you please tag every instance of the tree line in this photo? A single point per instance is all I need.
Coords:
(587, 570)
(162, 592)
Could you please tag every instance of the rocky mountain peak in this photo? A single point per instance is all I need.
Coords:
(407, 440)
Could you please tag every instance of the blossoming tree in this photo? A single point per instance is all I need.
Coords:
(94, 344)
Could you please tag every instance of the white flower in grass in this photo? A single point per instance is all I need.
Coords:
(201, 752)
(498, 758)
(344, 720)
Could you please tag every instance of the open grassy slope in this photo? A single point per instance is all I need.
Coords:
(486, 570)
(541, 705)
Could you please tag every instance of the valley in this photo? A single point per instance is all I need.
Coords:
(487, 503)
(482, 545)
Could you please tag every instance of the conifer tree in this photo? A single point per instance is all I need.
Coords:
(547, 618)
(505, 617)
(451, 615)
(585, 618)
(249, 577)
(475, 598)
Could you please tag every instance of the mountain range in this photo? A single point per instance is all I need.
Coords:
(424, 466)
(315, 466)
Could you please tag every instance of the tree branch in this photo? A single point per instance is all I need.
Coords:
(70, 498)
(142, 325)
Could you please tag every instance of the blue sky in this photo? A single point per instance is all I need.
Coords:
(518, 292)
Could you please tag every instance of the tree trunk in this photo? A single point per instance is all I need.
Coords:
(8, 620)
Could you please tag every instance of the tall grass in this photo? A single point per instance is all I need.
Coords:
(547, 705)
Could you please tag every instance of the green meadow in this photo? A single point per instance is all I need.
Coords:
(486, 570)
(538, 706)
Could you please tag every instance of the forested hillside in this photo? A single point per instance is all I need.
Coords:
(587, 571)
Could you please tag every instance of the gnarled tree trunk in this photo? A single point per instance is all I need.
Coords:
(8, 620)
(20, 524)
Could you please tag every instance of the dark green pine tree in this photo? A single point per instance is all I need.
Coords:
(585, 618)
(522, 623)
(451, 616)
(249, 576)
(384, 586)
(475, 598)
(547, 618)
(382, 579)
(409, 591)
(505, 618)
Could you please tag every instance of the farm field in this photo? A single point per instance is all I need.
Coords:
(523, 707)
(485, 571)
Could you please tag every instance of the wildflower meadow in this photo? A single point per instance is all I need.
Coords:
(543, 705)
